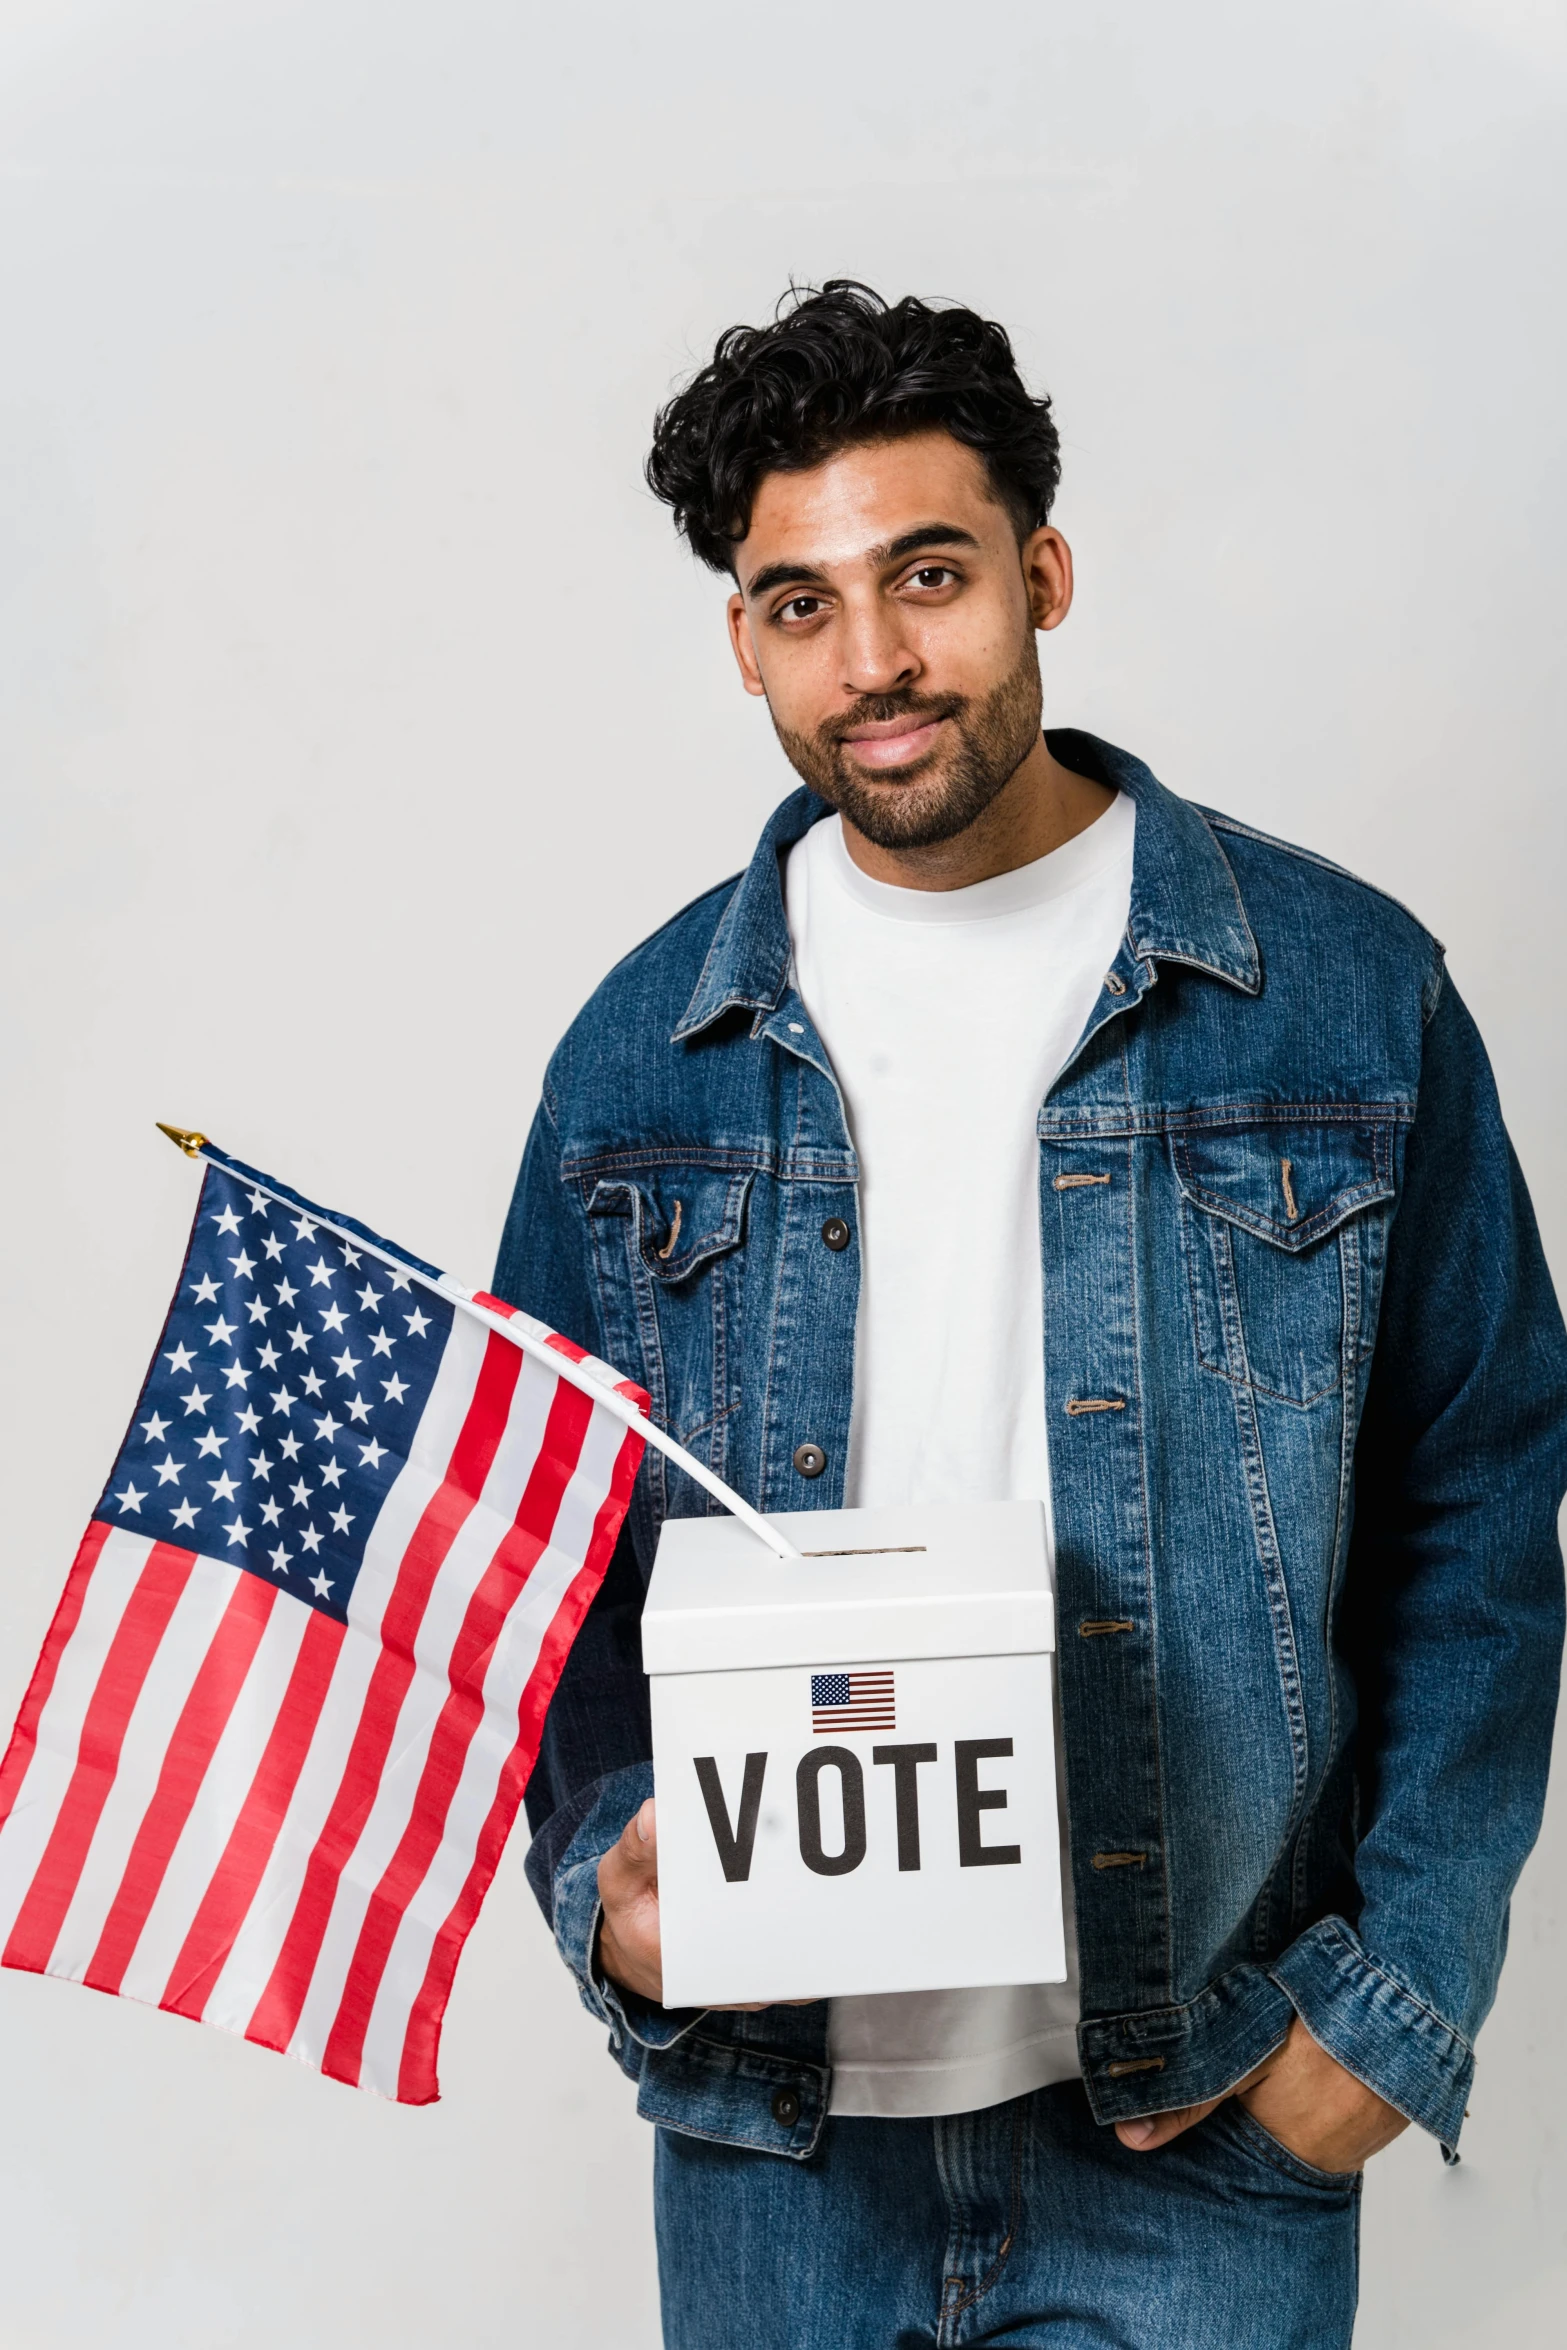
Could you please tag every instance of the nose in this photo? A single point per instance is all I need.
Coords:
(876, 656)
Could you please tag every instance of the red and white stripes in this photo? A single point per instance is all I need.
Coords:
(226, 1803)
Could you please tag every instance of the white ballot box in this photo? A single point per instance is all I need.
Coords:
(853, 1754)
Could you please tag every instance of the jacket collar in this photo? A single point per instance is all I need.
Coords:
(1185, 907)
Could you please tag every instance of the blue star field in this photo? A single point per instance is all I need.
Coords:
(280, 1406)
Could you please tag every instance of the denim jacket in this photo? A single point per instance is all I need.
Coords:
(1320, 1508)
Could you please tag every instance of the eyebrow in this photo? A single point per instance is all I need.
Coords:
(909, 542)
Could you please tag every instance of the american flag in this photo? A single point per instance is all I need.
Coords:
(851, 1701)
(291, 1697)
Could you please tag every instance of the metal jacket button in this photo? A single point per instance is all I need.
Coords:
(835, 1232)
(786, 2108)
(809, 1459)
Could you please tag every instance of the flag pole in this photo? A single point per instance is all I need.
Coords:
(621, 1407)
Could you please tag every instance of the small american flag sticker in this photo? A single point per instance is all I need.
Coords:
(851, 1701)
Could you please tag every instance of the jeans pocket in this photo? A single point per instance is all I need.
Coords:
(1247, 2136)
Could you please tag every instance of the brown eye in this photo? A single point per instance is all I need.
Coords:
(933, 575)
(801, 608)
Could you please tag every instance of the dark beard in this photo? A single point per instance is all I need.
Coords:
(941, 794)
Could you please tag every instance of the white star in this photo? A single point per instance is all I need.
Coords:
(273, 1246)
(380, 1342)
(256, 1201)
(223, 1488)
(209, 1443)
(326, 1429)
(332, 1472)
(301, 1492)
(180, 1360)
(320, 1273)
(271, 1513)
(333, 1319)
(280, 1558)
(303, 1228)
(185, 1515)
(195, 1401)
(130, 1499)
(156, 1427)
(220, 1331)
(169, 1470)
(350, 1257)
(371, 1455)
(394, 1388)
(243, 1266)
(342, 1519)
(286, 1292)
(345, 1364)
(310, 1536)
(249, 1420)
(238, 1531)
(418, 1323)
(289, 1448)
(206, 1290)
(260, 1466)
(358, 1409)
(299, 1338)
(319, 1584)
(269, 1357)
(399, 1279)
(257, 1309)
(236, 1375)
(282, 1401)
(369, 1298)
(311, 1383)
(227, 1222)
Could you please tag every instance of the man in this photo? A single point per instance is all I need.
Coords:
(1011, 1128)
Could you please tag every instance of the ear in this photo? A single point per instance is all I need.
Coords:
(744, 648)
(1047, 569)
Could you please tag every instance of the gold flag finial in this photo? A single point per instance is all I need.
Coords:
(191, 1144)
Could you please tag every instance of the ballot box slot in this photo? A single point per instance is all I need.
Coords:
(879, 1550)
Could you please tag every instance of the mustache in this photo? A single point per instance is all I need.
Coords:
(882, 709)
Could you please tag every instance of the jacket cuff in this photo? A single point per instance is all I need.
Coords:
(577, 1911)
(1374, 2022)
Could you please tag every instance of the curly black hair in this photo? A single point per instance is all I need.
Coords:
(839, 366)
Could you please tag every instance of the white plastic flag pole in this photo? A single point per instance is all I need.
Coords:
(195, 1146)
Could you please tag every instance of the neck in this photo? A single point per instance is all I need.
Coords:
(1041, 807)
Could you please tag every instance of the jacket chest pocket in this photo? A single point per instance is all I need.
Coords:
(667, 1248)
(1282, 1229)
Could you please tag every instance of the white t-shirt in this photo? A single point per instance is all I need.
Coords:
(947, 1015)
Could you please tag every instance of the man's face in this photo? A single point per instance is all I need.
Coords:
(886, 611)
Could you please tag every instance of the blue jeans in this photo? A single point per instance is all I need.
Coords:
(1026, 2223)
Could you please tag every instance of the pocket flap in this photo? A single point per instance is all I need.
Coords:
(684, 1216)
(1289, 1183)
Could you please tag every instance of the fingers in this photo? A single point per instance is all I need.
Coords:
(1151, 2130)
(628, 1941)
(639, 1840)
(631, 1866)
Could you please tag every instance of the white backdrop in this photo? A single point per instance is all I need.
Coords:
(357, 709)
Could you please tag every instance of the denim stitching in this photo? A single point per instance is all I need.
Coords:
(1360, 1959)
(1265, 1535)
(986, 2284)
(1166, 1891)
(1281, 2158)
(788, 1166)
(1217, 821)
(1075, 1126)
(1191, 1234)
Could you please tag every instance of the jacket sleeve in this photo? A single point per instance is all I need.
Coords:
(595, 1765)
(1452, 1618)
